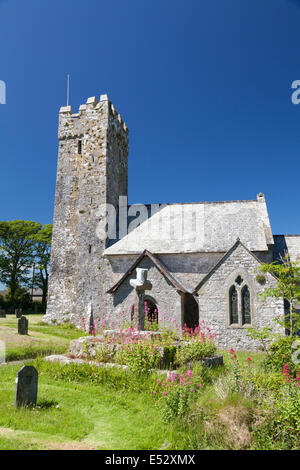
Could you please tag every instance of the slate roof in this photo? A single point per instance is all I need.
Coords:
(200, 227)
(160, 266)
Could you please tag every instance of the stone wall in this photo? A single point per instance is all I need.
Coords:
(163, 294)
(214, 300)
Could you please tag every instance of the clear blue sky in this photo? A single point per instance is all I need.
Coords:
(204, 87)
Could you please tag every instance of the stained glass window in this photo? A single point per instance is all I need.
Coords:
(246, 311)
(233, 302)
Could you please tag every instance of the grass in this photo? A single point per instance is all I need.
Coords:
(81, 406)
(41, 340)
(80, 414)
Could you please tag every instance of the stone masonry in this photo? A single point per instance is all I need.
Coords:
(91, 171)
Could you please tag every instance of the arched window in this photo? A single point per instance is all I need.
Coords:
(233, 305)
(246, 311)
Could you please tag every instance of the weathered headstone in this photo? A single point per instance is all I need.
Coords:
(2, 313)
(18, 312)
(26, 386)
(23, 326)
(140, 284)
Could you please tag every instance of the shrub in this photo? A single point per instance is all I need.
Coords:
(194, 350)
(176, 393)
(280, 353)
(140, 357)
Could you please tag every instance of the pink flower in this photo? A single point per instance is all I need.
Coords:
(164, 393)
(189, 373)
(154, 392)
(191, 389)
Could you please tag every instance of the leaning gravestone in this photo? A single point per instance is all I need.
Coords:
(26, 386)
(2, 313)
(18, 312)
(23, 326)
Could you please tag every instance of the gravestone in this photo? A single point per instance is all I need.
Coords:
(23, 326)
(141, 284)
(18, 312)
(26, 386)
(2, 313)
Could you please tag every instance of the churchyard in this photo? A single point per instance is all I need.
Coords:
(125, 390)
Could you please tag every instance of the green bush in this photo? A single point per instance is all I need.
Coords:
(104, 353)
(194, 350)
(280, 353)
(176, 403)
(140, 357)
(281, 426)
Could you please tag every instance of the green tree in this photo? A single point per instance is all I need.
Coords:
(16, 254)
(42, 240)
(287, 274)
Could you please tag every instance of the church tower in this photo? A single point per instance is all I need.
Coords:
(91, 172)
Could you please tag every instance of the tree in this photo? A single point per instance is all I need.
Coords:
(42, 240)
(16, 254)
(287, 274)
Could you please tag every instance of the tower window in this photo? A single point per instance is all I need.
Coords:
(90, 249)
(79, 147)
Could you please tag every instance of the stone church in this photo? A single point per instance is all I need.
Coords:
(202, 258)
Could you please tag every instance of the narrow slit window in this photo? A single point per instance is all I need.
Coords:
(79, 147)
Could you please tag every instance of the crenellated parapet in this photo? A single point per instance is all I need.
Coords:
(72, 125)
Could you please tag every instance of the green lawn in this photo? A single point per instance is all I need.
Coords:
(80, 415)
(41, 340)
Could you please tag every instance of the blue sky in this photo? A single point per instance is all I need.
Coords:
(204, 87)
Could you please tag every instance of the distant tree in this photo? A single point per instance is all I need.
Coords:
(42, 240)
(17, 251)
(287, 274)
(21, 297)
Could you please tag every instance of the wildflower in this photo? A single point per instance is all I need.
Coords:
(189, 373)
(191, 389)
(154, 392)
(164, 393)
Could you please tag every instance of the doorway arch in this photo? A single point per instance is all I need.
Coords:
(151, 310)
(190, 311)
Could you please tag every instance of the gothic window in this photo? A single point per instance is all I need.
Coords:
(233, 304)
(239, 303)
(246, 312)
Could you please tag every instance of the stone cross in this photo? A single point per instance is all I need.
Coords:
(23, 326)
(26, 386)
(140, 284)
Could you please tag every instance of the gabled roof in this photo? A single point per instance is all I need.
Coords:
(227, 254)
(160, 266)
(200, 227)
